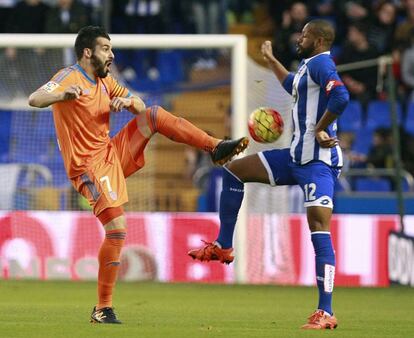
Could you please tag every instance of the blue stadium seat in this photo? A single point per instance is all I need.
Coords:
(351, 118)
(372, 184)
(5, 125)
(170, 66)
(336, 51)
(379, 114)
(409, 119)
(363, 141)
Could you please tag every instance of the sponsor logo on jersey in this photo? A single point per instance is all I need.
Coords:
(332, 84)
(50, 86)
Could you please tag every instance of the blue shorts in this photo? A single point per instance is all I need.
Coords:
(316, 178)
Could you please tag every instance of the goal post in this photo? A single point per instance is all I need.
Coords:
(237, 44)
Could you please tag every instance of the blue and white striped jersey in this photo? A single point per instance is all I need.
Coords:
(315, 88)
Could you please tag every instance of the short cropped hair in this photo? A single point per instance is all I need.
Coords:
(324, 29)
(87, 39)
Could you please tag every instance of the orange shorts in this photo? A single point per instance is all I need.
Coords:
(103, 184)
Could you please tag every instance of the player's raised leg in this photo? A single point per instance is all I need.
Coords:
(109, 261)
(235, 174)
(180, 130)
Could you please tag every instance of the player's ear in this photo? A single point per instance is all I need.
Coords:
(319, 42)
(87, 52)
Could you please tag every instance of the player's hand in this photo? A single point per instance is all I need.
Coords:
(267, 51)
(324, 140)
(119, 103)
(72, 93)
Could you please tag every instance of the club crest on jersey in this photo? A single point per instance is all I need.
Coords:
(50, 86)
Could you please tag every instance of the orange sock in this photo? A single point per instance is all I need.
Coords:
(109, 256)
(179, 129)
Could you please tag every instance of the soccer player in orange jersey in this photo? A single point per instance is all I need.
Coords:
(82, 97)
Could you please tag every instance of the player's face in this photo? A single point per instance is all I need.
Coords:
(102, 57)
(305, 45)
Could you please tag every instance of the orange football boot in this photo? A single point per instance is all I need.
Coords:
(320, 321)
(212, 252)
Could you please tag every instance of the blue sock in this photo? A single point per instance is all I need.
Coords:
(230, 201)
(325, 268)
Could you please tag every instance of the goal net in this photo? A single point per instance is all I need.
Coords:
(163, 70)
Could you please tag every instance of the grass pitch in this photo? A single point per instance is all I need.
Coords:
(62, 309)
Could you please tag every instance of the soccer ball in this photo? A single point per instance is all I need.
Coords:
(265, 125)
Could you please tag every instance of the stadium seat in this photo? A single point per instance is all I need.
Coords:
(5, 124)
(351, 118)
(373, 184)
(363, 141)
(409, 119)
(170, 66)
(379, 114)
(336, 51)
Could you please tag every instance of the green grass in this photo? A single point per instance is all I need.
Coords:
(62, 309)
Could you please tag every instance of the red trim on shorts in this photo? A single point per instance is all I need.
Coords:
(110, 214)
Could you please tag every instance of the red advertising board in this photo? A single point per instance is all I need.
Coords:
(64, 245)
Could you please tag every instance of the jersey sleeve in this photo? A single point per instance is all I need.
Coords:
(323, 72)
(61, 80)
(288, 83)
(116, 90)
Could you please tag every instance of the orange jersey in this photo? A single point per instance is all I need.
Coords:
(82, 125)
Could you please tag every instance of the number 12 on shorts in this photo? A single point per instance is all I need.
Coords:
(310, 190)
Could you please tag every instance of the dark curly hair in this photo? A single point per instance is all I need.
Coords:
(87, 39)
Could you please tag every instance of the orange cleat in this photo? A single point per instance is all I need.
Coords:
(212, 252)
(319, 320)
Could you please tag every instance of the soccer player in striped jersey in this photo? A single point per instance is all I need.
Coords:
(313, 160)
(82, 97)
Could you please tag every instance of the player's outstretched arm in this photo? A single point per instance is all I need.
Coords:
(42, 98)
(280, 71)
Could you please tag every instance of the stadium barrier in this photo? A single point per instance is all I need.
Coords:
(63, 245)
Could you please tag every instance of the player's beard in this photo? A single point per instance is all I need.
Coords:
(305, 52)
(99, 66)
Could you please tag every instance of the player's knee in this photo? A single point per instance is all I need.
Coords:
(319, 218)
(113, 218)
(236, 169)
(317, 225)
(159, 111)
(118, 224)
